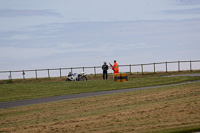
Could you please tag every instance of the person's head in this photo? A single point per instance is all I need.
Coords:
(104, 63)
(114, 61)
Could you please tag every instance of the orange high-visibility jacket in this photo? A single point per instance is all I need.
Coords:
(116, 69)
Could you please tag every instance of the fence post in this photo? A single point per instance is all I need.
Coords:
(154, 65)
(10, 76)
(166, 67)
(94, 70)
(71, 69)
(142, 68)
(83, 69)
(60, 73)
(48, 73)
(179, 66)
(130, 69)
(36, 74)
(23, 73)
(190, 65)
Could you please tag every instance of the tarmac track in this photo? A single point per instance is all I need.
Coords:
(18, 103)
(190, 75)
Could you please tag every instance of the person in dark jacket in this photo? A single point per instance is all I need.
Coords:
(105, 69)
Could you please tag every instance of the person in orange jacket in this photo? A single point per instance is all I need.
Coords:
(115, 68)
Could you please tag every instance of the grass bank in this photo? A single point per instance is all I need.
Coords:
(19, 91)
(165, 109)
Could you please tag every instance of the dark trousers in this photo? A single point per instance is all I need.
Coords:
(105, 76)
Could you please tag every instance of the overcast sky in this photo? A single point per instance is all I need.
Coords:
(38, 34)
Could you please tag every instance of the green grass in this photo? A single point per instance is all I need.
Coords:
(169, 109)
(18, 91)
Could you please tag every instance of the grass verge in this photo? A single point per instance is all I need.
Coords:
(19, 91)
(166, 109)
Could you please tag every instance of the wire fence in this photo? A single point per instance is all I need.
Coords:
(132, 68)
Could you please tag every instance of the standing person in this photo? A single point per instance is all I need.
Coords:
(115, 68)
(105, 69)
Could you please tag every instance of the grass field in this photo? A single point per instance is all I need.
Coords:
(27, 89)
(174, 109)
(166, 109)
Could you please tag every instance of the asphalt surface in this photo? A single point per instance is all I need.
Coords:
(190, 75)
(18, 103)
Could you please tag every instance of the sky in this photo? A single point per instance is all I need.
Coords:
(36, 34)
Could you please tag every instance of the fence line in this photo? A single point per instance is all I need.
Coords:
(130, 70)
